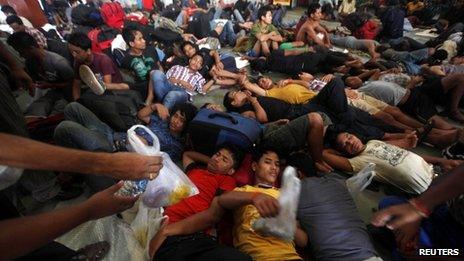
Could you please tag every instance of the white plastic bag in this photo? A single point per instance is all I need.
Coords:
(171, 185)
(284, 224)
(361, 180)
(9, 176)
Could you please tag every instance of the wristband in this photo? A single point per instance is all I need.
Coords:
(420, 208)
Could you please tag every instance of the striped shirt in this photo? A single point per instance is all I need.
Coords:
(183, 73)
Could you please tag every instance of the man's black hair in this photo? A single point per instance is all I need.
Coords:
(80, 40)
(237, 153)
(259, 65)
(128, 34)
(327, 9)
(188, 110)
(302, 162)
(185, 43)
(22, 41)
(312, 8)
(261, 150)
(227, 102)
(14, 19)
(8, 10)
(263, 11)
(440, 55)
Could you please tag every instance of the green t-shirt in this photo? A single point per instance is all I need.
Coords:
(258, 28)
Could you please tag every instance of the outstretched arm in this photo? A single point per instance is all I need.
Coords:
(30, 154)
(22, 235)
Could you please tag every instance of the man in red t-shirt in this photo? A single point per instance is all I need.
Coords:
(211, 181)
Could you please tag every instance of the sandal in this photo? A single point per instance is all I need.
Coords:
(93, 252)
(425, 132)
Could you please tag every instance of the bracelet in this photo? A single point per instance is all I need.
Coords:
(420, 208)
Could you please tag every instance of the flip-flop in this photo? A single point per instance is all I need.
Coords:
(93, 252)
(89, 78)
(426, 130)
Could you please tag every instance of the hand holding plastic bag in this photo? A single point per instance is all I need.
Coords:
(361, 180)
(284, 224)
(171, 185)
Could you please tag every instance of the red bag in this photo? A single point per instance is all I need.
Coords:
(113, 15)
(101, 39)
(137, 17)
(147, 4)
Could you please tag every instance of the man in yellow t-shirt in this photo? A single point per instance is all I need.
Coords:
(249, 203)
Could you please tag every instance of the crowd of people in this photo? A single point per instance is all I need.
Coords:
(107, 65)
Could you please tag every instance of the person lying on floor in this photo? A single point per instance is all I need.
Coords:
(211, 181)
(394, 164)
(453, 67)
(141, 60)
(51, 72)
(328, 214)
(223, 70)
(179, 83)
(83, 130)
(249, 203)
(419, 102)
(309, 59)
(331, 102)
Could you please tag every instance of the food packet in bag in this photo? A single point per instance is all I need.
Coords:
(284, 224)
(169, 187)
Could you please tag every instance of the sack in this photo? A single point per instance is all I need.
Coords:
(165, 36)
(284, 224)
(198, 25)
(211, 128)
(361, 180)
(113, 14)
(137, 17)
(101, 39)
(86, 16)
(167, 23)
(118, 109)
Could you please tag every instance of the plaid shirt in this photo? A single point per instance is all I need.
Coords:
(183, 73)
(38, 36)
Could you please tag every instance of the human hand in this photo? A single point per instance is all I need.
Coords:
(22, 79)
(220, 65)
(448, 165)
(417, 79)
(242, 79)
(283, 83)
(250, 97)
(407, 236)
(351, 94)
(396, 216)
(159, 238)
(266, 205)
(163, 112)
(323, 167)
(306, 77)
(106, 202)
(327, 78)
(134, 166)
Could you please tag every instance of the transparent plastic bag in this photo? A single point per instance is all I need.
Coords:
(171, 185)
(283, 225)
(361, 180)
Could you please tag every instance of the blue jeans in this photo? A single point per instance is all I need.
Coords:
(440, 230)
(83, 130)
(166, 92)
(228, 35)
(409, 59)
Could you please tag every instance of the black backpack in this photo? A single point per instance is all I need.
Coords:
(86, 15)
(118, 109)
(199, 25)
(165, 36)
